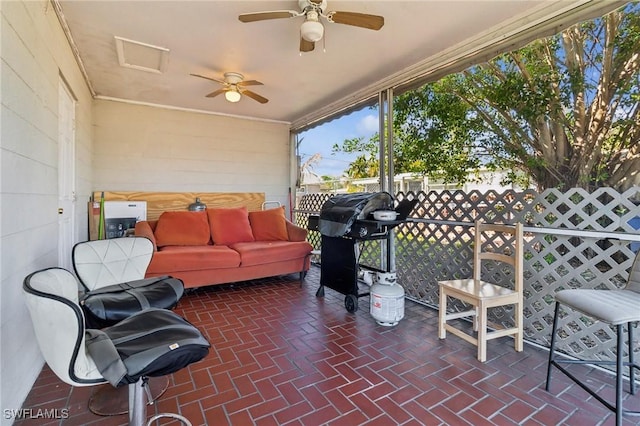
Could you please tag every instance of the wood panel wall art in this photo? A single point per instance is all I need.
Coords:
(158, 202)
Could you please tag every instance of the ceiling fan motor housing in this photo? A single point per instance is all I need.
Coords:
(233, 77)
(307, 5)
(312, 30)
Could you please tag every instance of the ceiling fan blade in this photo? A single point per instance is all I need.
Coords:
(217, 92)
(362, 20)
(250, 83)
(254, 96)
(209, 78)
(306, 46)
(262, 16)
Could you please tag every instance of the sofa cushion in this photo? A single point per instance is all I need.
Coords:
(229, 226)
(262, 252)
(193, 258)
(182, 228)
(269, 225)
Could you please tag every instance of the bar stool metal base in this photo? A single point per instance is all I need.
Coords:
(137, 398)
(106, 400)
(619, 363)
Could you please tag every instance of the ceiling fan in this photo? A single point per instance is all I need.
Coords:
(312, 29)
(234, 87)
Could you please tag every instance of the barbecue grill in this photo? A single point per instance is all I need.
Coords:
(345, 221)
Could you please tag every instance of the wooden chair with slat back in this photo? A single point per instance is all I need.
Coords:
(482, 295)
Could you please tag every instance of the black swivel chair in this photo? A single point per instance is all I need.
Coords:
(111, 273)
(153, 342)
(112, 276)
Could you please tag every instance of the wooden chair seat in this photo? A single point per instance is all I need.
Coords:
(482, 295)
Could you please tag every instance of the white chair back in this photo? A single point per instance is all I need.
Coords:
(106, 262)
(51, 296)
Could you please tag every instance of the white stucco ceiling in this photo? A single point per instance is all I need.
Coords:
(206, 37)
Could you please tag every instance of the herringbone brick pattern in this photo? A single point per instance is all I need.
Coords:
(281, 356)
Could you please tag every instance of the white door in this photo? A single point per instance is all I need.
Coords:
(66, 175)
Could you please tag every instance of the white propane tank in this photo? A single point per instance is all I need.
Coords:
(387, 301)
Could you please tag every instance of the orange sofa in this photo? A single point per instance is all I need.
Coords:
(219, 246)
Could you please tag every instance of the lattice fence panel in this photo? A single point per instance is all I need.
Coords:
(460, 206)
(307, 205)
(438, 245)
(562, 262)
(602, 210)
(427, 253)
(372, 254)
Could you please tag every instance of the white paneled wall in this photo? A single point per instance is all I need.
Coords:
(146, 148)
(119, 146)
(35, 54)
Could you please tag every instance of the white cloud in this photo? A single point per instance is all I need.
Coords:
(368, 125)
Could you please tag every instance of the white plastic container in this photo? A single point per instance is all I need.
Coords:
(387, 303)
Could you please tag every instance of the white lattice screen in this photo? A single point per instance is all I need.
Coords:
(572, 240)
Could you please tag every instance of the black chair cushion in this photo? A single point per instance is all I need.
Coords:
(108, 305)
(153, 342)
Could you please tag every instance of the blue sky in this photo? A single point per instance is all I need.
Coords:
(362, 123)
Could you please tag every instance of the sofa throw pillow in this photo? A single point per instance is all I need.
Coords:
(269, 225)
(182, 228)
(229, 226)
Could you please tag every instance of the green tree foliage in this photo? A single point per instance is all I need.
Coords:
(564, 110)
(436, 132)
(366, 164)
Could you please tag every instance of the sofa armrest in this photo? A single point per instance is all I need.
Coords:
(145, 229)
(296, 233)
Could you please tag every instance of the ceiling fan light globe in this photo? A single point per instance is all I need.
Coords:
(232, 96)
(312, 31)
